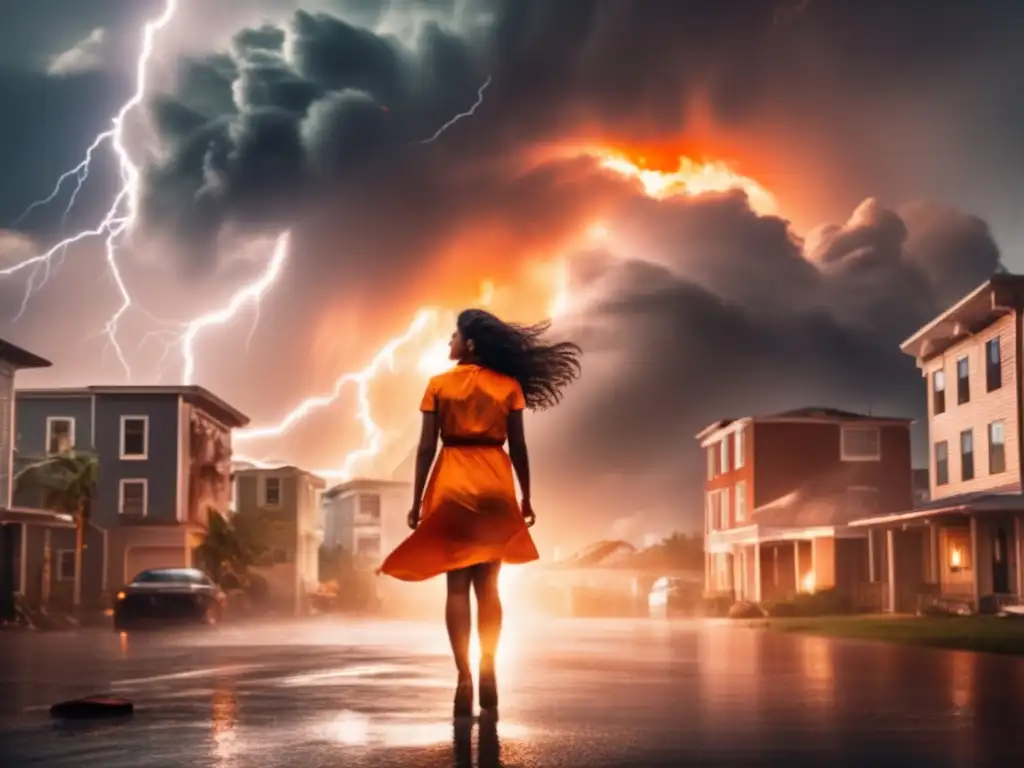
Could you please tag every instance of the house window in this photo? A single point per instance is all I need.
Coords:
(938, 392)
(65, 564)
(963, 381)
(724, 460)
(60, 435)
(368, 545)
(724, 509)
(741, 501)
(369, 507)
(861, 444)
(967, 455)
(941, 463)
(993, 365)
(862, 501)
(134, 437)
(996, 448)
(738, 447)
(271, 492)
(134, 499)
(714, 502)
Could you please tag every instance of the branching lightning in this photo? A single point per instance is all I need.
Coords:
(462, 115)
(251, 293)
(121, 215)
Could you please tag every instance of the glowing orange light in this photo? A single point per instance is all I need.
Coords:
(956, 557)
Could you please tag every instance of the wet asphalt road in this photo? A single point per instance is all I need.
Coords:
(574, 693)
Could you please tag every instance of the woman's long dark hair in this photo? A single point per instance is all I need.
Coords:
(542, 370)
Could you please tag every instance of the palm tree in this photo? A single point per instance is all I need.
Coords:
(65, 483)
(228, 550)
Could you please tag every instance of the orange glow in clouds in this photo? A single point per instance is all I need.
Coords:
(526, 280)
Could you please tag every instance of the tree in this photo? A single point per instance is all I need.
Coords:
(229, 550)
(676, 552)
(65, 483)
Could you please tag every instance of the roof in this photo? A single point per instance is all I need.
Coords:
(230, 416)
(996, 297)
(964, 503)
(365, 484)
(31, 516)
(21, 358)
(283, 469)
(808, 414)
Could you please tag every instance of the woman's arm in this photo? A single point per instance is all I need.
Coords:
(425, 455)
(518, 453)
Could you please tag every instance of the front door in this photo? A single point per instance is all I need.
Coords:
(1000, 563)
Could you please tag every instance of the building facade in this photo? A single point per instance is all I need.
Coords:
(781, 491)
(963, 545)
(285, 502)
(165, 463)
(366, 518)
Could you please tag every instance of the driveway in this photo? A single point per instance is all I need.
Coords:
(575, 693)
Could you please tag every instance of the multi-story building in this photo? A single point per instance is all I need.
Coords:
(965, 543)
(781, 490)
(286, 503)
(165, 464)
(16, 523)
(367, 518)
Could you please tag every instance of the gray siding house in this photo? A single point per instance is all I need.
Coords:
(14, 523)
(164, 464)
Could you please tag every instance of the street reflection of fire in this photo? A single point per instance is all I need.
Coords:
(224, 717)
(356, 729)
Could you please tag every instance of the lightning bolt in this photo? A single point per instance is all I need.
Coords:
(121, 214)
(462, 115)
(250, 293)
(372, 433)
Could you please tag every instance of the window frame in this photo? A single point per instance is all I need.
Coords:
(723, 459)
(940, 481)
(993, 370)
(124, 455)
(58, 572)
(741, 485)
(739, 447)
(963, 383)
(847, 428)
(938, 393)
(122, 484)
(264, 485)
(1002, 446)
(967, 433)
(50, 421)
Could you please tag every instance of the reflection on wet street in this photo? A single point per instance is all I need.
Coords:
(574, 693)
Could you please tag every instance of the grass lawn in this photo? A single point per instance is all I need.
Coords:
(972, 633)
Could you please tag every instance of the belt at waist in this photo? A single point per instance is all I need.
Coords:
(471, 442)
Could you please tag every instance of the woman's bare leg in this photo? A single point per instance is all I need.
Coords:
(488, 607)
(459, 619)
(489, 615)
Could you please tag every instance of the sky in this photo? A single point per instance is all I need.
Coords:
(842, 172)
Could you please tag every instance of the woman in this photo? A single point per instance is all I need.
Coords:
(468, 522)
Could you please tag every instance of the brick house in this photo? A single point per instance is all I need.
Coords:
(965, 543)
(781, 491)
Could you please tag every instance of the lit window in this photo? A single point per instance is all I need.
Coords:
(938, 392)
(724, 448)
(60, 435)
(740, 450)
(996, 448)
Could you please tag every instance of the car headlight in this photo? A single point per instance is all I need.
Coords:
(120, 595)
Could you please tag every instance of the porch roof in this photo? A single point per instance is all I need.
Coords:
(720, 541)
(963, 504)
(30, 516)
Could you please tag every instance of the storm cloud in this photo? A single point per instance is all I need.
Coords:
(692, 308)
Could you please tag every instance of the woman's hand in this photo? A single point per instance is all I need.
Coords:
(413, 518)
(528, 514)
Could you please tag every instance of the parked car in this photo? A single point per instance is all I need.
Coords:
(168, 595)
(672, 596)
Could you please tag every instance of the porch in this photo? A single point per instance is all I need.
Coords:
(760, 564)
(963, 557)
(18, 525)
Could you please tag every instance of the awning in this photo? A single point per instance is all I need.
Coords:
(30, 516)
(965, 504)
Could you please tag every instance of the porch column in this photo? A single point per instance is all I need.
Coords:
(707, 572)
(890, 547)
(872, 569)
(933, 552)
(975, 563)
(796, 565)
(1018, 551)
(757, 572)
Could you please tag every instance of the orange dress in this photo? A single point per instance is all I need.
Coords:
(469, 514)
